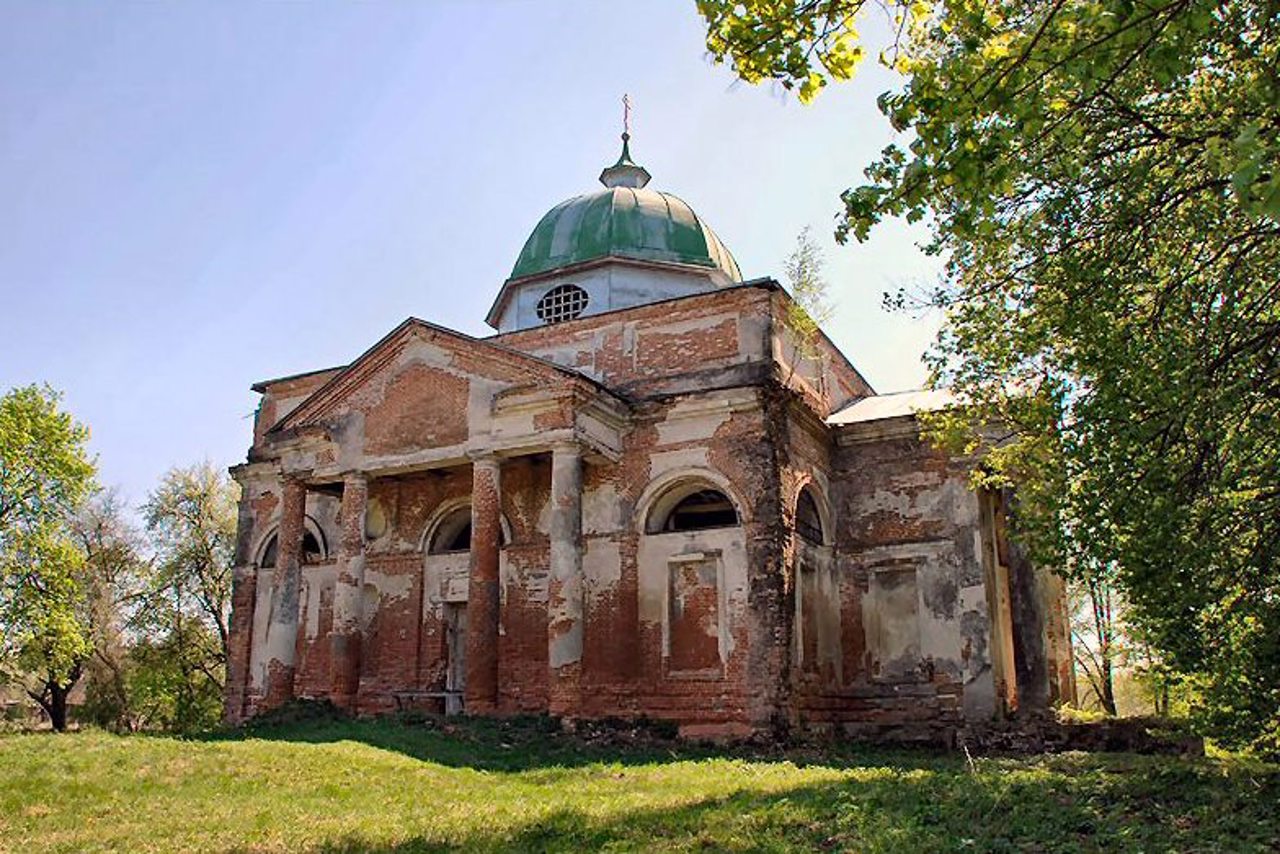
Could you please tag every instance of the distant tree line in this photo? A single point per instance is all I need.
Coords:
(136, 614)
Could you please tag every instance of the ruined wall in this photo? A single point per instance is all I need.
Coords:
(807, 363)
(813, 575)
(711, 340)
(1032, 625)
(282, 396)
(679, 624)
(914, 626)
(252, 608)
(879, 626)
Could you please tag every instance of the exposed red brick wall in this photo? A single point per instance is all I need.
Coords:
(637, 351)
(420, 408)
(659, 357)
(269, 411)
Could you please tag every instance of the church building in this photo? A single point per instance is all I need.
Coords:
(649, 493)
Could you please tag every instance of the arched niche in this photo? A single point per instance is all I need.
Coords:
(812, 519)
(314, 547)
(694, 501)
(449, 531)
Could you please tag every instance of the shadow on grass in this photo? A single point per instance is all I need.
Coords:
(1075, 805)
(530, 743)
(890, 800)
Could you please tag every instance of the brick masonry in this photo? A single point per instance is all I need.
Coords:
(565, 449)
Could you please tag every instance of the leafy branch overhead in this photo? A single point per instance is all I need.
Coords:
(1101, 180)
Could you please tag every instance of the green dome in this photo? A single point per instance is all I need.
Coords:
(623, 222)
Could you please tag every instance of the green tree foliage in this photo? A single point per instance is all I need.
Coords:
(114, 579)
(44, 473)
(1101, 179)
(185, 613)
(174, 682)
(811, 307)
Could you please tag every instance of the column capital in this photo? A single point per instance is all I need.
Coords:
(486, 458)
(355, 476)
(567, 447)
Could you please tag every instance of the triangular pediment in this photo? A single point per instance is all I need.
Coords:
(420, 386)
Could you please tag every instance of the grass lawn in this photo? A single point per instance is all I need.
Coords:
(514, 786)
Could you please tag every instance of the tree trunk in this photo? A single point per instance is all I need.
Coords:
(1108, 688)
(53, 699)
(1104, 627)
(57, 707)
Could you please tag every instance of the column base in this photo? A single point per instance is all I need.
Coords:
(279, 686)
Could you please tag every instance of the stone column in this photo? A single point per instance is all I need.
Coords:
(244, 600)
(481, 694)
(282, 631)
(345, 637)
(564, 592)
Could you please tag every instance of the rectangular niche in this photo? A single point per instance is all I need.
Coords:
(692, 639)
(891, 614)
(808, 601)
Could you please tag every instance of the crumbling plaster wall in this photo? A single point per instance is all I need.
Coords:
(813, 581)
(806, 361)
(263, 496)
(880, 629)
(674, 626)
(916, 628)
(280, 397)
(718, 339)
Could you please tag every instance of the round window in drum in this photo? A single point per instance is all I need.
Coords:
(561, 303)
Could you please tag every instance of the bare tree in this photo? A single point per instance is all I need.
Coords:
(1096, 636)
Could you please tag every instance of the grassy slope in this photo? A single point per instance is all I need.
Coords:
(383, 786)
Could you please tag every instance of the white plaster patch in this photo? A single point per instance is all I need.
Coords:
(751, 336)
(601, 510)
(375, 520)
(601, 565)
(480, 405)
(261, 620)
(654, 557)
(389, 587)
(697, 324)
(423, 351)
(317, 579)
(285, 405)
(661, 463)
(447, 578)
(691, 421)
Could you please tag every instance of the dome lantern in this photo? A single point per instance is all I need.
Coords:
(626, 172)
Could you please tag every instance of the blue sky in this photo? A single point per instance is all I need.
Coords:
(195, 196)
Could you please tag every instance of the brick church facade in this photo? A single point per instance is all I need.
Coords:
(647, 494)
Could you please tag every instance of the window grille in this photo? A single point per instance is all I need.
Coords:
(808, 520)
(704, 509)
(561, 303)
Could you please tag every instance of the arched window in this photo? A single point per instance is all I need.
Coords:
(453, 533)
(808, 519)
(312, 551)
(561, 303)
(695, 510)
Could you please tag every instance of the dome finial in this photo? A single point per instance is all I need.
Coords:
(625, 173)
